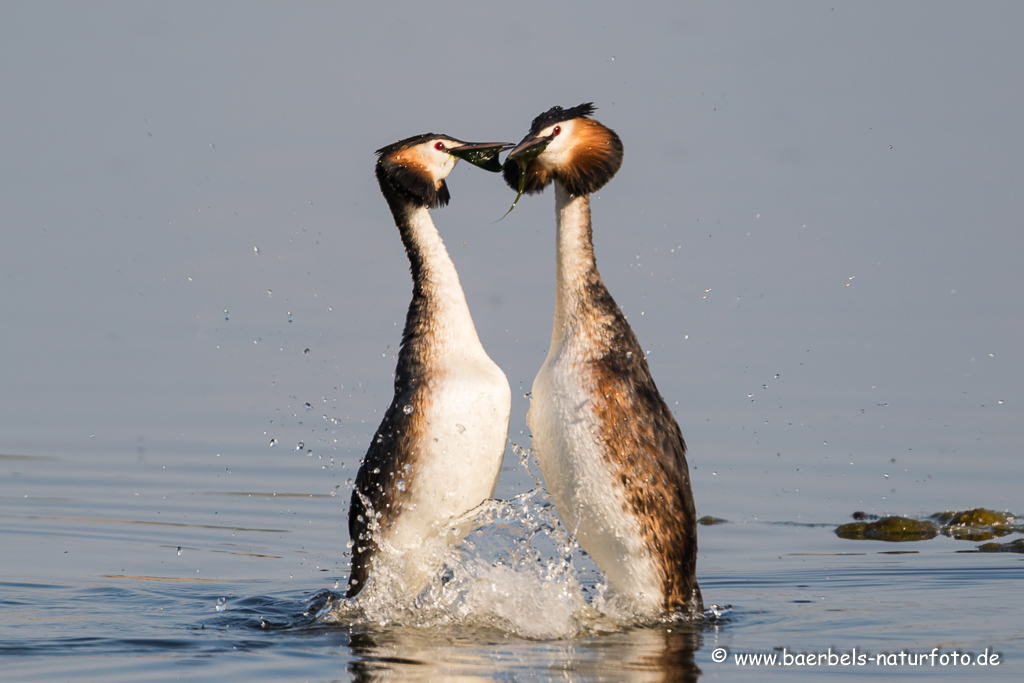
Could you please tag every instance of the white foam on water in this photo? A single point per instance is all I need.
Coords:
(515, 573)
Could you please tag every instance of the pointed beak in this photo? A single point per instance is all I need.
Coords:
(482, 154)
(530, 147)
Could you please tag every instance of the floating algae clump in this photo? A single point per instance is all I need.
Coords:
(978, 524)
(975, 517)
(1009, 547)
(708, 520)
(893, 529)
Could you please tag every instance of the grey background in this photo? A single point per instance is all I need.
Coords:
(815, 233)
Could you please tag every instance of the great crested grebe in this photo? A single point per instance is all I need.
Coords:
(610, 451)
(437, 452)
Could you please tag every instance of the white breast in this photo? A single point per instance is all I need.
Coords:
(466, 436)
(583, 486)
(460, 459)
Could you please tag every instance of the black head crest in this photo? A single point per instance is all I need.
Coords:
(558, 114)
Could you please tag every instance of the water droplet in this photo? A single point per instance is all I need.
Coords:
(273, 442)
(629, 354)
(227, 315)
(179, 550)
(401, 484)
(289, 316)
(407, 409)
(305, 352)
(256, 250)
(309, 406)
(300, 446)
(221, 604)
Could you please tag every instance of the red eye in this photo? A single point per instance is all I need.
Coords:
(557, 130)
(439, 146)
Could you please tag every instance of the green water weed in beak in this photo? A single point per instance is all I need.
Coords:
(522, 156)
(482, 154)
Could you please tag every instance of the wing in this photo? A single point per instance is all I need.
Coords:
(376, 498)
(645, 447)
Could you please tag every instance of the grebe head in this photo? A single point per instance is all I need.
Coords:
(565, 145)
(415, 168)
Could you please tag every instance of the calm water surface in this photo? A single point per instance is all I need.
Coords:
(187, 565)
(815, 235)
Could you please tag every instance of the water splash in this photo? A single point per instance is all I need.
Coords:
(515, 573)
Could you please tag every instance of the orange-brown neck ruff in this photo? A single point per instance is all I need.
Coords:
(594, 157)
(405, 178)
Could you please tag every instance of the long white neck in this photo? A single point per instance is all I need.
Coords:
(436, 285)
(575, 267)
